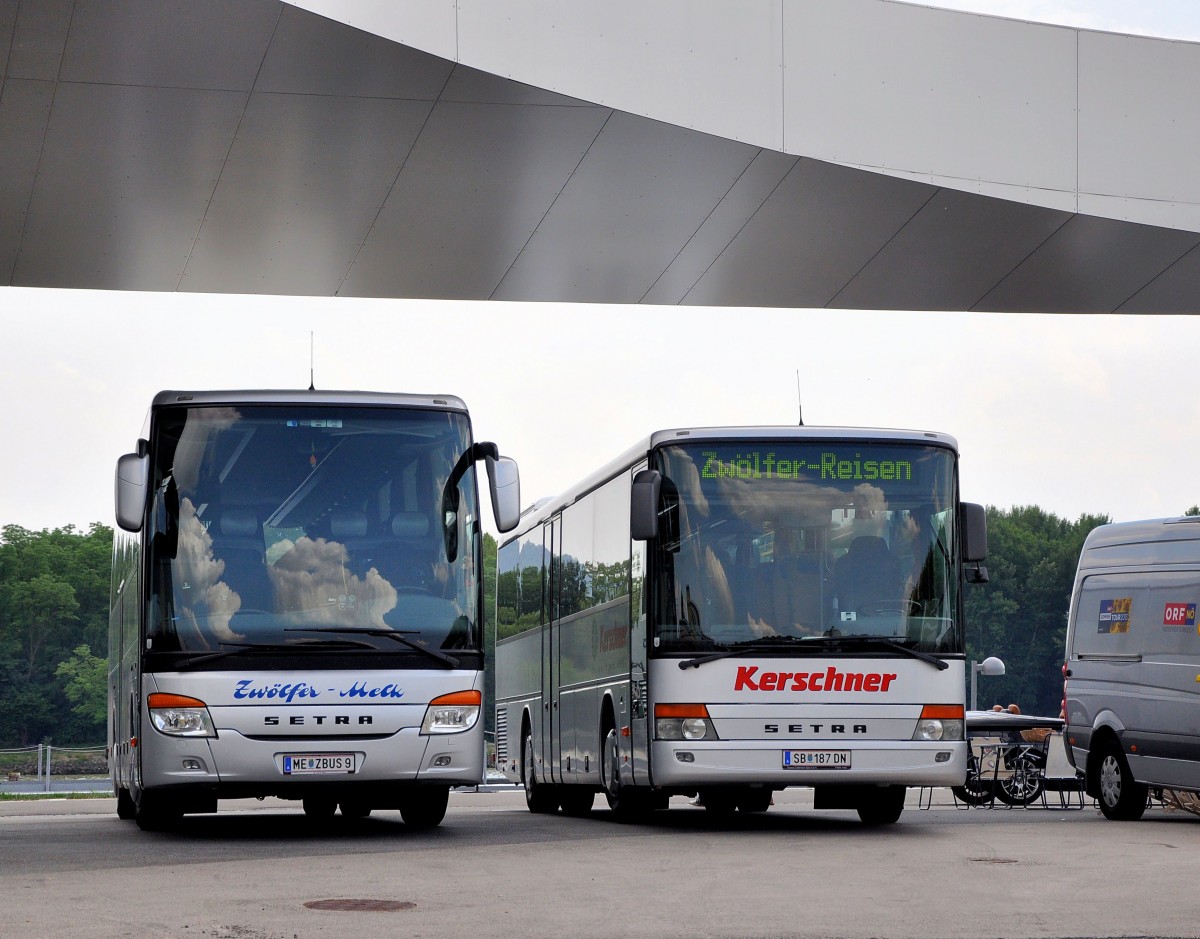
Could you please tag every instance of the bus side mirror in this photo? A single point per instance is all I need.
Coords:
(973, 525)
(643, 505)
(505, 481)
(974, 532)
(132, 473)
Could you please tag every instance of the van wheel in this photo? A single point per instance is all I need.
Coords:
(1121, 798)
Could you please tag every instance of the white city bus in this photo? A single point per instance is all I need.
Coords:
(728, 612)
(296, 607)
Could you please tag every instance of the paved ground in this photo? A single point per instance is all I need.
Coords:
(261, 870)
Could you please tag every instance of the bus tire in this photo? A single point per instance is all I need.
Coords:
(627, 804)
(319, 807)
(126, 809)
(576, 801)
(755, 800)
(155, 813)
(539, 798)
(884, 806)
(718, 801)
(1121, 798)
(425, 807)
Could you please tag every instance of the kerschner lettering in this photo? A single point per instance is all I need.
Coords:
(749, 678)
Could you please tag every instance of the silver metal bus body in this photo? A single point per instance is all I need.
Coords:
(296, 603)
(731, 611)
(1131, 695)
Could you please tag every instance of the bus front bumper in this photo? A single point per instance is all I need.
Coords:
(679, 764)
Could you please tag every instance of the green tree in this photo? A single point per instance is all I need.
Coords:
(85, 682)
(53, 599)
(1194, 510)
(39, 609)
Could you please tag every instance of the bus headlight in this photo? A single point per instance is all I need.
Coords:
(452, 713)
(180, 716)
(941, 722)
(683, 722)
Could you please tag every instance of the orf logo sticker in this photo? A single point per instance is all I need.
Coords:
(1179, 614)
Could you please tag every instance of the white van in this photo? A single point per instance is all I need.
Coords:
(1132, 670)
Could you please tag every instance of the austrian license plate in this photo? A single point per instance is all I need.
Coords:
(296, 763)
(816, 759)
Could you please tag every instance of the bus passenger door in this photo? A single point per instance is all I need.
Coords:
(551, 705)
(639, 717)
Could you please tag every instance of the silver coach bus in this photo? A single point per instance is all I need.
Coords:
(296, 605)
(728, 612)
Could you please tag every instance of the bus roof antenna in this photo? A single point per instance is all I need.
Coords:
(799, 401)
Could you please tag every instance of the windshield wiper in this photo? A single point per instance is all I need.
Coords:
(241, 648)
(892, 645)
(741, 648)
(393, 634)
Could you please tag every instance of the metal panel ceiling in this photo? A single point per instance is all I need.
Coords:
(250, 146)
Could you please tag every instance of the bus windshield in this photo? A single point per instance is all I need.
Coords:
(787, 544)
(284, 529)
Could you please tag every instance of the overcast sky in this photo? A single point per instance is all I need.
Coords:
(1173, 19)
(1077, 414)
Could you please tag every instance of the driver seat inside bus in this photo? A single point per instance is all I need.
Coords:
(866, 576)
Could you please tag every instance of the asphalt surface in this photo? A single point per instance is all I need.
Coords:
(262, 870)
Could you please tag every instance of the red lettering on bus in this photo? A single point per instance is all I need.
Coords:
(749, 678)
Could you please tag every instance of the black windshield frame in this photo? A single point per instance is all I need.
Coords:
(755, 541)
(266, 519)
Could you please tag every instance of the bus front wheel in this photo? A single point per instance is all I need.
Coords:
(540, 799)
(627, 804)
(126, 809)
(154, 812)
(425, 807)
(883, 807)
(319, 807)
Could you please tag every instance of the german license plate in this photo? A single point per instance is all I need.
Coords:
(816, 759)
(295, 764)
